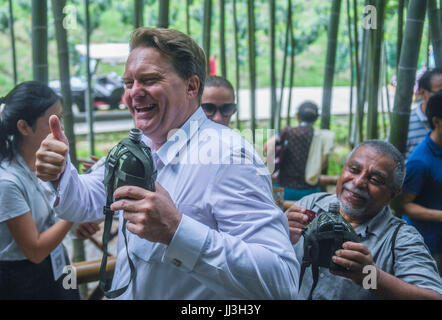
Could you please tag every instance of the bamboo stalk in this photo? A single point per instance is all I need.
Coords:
(252, 65)
(376, 39)
(292, 74)
(188, 17)
(435, 25)
(284, 67)
(237, 79)
(355, 123)
(387, 82)
(206, 30)
(163, 16)
(40, 40)
(12, 37)
(352, 80)
(407, 73)
(65, 84)
(138, 13)
(400, 30)
(362, 95)
(88, 93)
(330, 63)
(273, 100)
(222, 40)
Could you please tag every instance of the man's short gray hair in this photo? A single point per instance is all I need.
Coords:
(386, 148)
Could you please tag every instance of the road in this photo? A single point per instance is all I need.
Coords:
(340, 106)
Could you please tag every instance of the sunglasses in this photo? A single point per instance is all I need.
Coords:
(226, 109)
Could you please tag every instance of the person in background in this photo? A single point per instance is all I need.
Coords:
(422, 191)
(218, 100)
(305, 156)
(404, 269)
(429, 83)
(212, 65)
(31, 255)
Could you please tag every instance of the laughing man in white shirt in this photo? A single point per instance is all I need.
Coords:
(211, 230)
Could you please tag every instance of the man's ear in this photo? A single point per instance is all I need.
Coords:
(193, 86)
(395, 193)
(23, 127)
(436, 122)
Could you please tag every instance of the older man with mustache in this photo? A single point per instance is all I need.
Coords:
(403, 267)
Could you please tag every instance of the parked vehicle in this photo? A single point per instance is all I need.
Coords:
(107, 89)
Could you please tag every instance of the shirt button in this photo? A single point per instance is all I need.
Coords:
(321, 275)
(176, 262)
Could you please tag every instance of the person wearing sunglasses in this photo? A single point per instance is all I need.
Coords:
(218, 100)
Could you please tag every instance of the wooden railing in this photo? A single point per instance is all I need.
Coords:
(323, 182)
(89, 271)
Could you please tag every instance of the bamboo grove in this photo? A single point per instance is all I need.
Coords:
(363, 21)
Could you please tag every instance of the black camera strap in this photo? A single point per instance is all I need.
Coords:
(112, 173)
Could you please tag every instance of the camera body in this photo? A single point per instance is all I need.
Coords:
(324, 236)
(130, 162)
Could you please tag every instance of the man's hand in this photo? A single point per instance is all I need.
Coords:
(298, 220)
(150, 215)
(353, 257)
(50, 157)
(86, 230)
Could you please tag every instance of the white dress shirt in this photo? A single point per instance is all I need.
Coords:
(232, 242)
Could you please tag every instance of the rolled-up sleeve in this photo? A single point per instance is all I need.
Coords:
(414, 263)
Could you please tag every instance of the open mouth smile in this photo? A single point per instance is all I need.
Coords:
(145, 108)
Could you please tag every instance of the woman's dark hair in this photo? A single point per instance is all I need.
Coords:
(27, 101)
(308, 112)
(434, 108)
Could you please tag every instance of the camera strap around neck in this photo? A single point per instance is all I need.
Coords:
(109, 214)
(113, 173)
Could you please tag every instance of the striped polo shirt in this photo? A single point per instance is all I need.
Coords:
(417, 129)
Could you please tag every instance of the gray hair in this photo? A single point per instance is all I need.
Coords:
(386, 148)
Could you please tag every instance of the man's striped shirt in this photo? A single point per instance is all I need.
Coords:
(417, 129)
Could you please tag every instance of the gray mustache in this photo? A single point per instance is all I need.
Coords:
(361, 193)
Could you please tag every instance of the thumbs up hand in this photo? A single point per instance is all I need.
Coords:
(56, 130)
(50, 157)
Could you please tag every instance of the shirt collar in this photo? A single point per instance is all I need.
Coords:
(375, 225)
(189, 128)
(435, 149)
(421, 115)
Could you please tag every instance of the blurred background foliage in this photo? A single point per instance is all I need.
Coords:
(112, 21)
